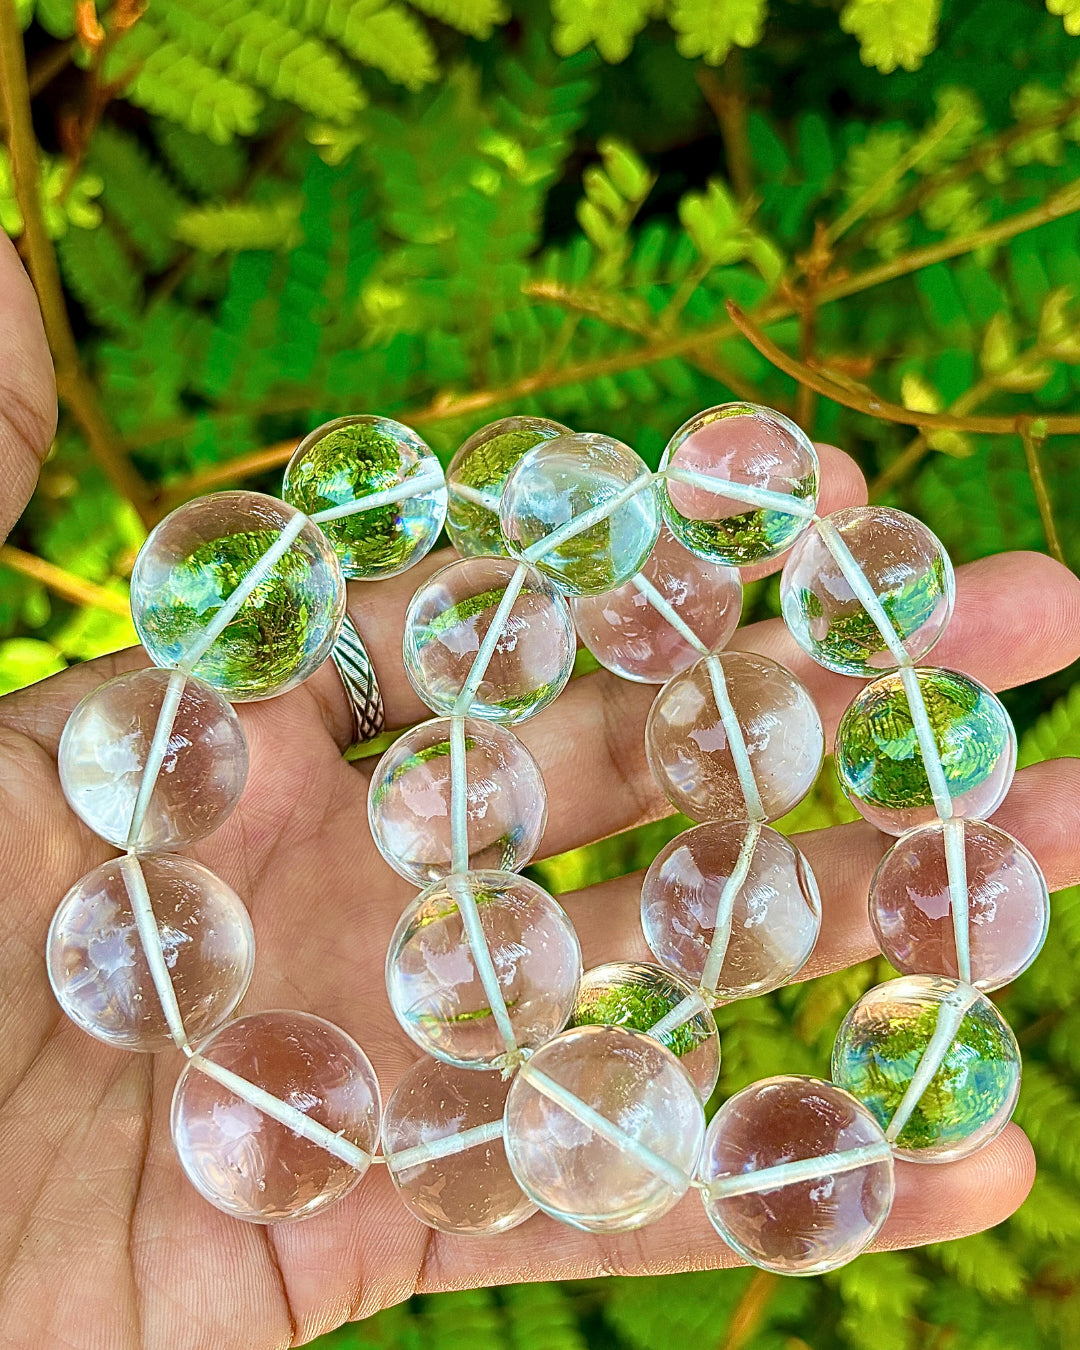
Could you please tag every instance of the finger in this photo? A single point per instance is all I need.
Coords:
(591, 745)
(933, 1204)
(27, 387)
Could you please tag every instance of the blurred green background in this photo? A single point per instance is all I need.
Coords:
(269, 212)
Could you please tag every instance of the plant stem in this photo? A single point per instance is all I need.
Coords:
(73, 385)
(728, 102)
(1032, 442)
(76, 589)
(750, 1309)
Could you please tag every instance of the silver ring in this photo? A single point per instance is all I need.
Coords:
(361, 687)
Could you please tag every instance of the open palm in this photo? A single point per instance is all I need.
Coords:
(103, 1242)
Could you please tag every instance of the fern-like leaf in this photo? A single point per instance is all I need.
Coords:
(611, 24)
(1069, 11)
(475, 17)
(710, 28)
(892, 33)
(229, 228)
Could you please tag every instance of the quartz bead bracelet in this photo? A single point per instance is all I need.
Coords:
(581, 1094)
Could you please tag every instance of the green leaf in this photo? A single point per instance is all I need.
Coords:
(611, 24)
(1069, 10)
(227, 228)
(475, 17)
(710, 28)
(25, 660)
(892, 33)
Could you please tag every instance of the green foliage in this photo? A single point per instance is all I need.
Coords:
(295, 209)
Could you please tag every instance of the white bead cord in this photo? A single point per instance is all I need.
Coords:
(956, 869)
(742, 492)
(155, 756)
(478, 497)
(693, 1005)
(668, 611)
(736, 739)
(725, 905)
(799, 1170)
(446, 1147)
(950, 1015)
(409, 487)
(150, 936)
(579, 524)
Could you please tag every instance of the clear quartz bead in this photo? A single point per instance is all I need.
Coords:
(628, 634)
(354, 457)
(770, 1208)
(437, 987)
(208, 558)
(106, 744)
(603, 1129)
(409, 801)
(98, 967)
(247, 1162)
(448, 620)
(443, 1143)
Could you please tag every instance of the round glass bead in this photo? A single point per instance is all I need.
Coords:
(747, 446)
(448, 620)
(772, 1209)
(352, 458)
(98, 968)
(629, 1156)
(478, 473)
(627, 633)
(202, 557)
(907, 569)
(775, 912)
(1007, 903)
(648, 999)
(970, 1097)
(409, 801)
(436, 988)
(560, 483)
(880, 764)
(689, 750)
(246, 1162)
(443, 1145)
(104, 749)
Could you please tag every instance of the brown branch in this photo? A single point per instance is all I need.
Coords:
(1032, 433)
(749, 1310)
(728, 102)
(76, 589)
(73, 385)
(869, 403)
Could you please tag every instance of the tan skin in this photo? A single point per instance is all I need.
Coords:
(103, 1242)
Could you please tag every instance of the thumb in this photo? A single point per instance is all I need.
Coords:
(27, 388)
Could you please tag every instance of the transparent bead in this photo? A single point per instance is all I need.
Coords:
(443, 1144)
(880, 765)
(409, 801)
(775, 912)
(98, 969)
(436, 988)
(1008, 905)
(689, 751)
(448, 619)
(558, 483)
(629, 1171)
(104, 749)
(970, 1097)
(201, 556)
(246, 1162)
(646, 998)
(354, 457)
(630, 636)
(478, 473)
(756, 448)
(907, 569)
(766, 1205)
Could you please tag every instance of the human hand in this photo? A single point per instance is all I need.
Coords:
(102, 1239)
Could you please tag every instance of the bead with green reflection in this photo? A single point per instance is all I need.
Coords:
(749, 446)
(880, 765)
(353, 457)
(477, 474)
(970, 1097)
(202, 553)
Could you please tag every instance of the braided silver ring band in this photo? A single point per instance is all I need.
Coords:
(358, 676)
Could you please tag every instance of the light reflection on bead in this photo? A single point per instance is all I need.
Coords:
(658, 1003)
(98, 969)
(971, 1096)
(752, 446)
(572, 1170)
(448, 619)
(788, 1225)
(467, 1190)
(437, 992)
(250, 1165)
(477, 474)
(409, 801)
(353, 457)
(104, 749)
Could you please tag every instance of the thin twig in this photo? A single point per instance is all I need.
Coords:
(73, 385)
(70, 587)
(728, 101)
(1032, 434)
(750, 1309)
